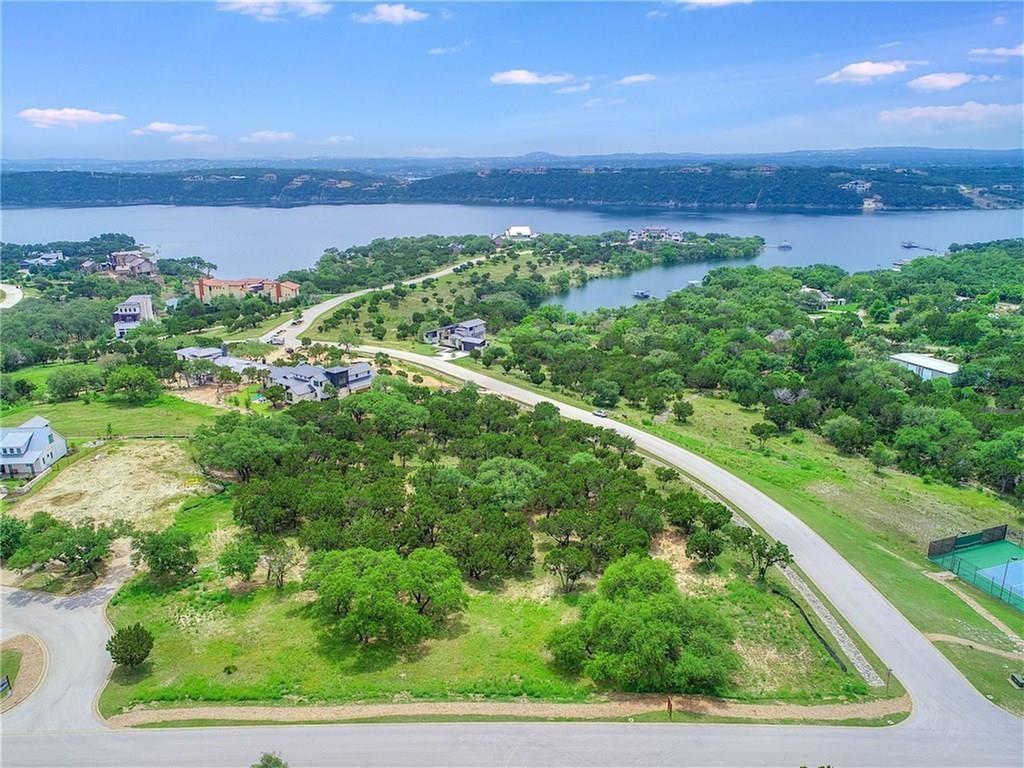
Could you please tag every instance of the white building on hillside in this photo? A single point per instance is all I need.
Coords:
(926, 366)
(518, 233)
(132, 312)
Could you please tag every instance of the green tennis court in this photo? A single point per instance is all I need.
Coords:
(996, 568)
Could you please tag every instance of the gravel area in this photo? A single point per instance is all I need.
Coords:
(31, 672)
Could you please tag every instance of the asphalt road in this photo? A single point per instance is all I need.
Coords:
(951, 725)
(12, 295)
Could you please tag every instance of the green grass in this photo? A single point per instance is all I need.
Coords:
(166, 416)
(38, 374)
(990, 674)
(255, 331)
(879, 523)
(10, 663)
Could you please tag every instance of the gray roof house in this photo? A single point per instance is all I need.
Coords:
(466, 335)
(925, 366)
(30, 449)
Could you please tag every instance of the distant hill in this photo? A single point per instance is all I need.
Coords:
(764, 186)
(433, 166)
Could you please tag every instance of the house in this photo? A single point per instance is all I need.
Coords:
(466, 336)
(30, 449)
(819, 299)
(39, 259)
(300, 382)
(518, 233)
(209, 288)
(132, 264)
(859, 186)
(132, 312)
(89, 266)
(925, 366)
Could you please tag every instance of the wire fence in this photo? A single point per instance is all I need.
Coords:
(1006, 588)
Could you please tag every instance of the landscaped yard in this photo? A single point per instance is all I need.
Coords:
(10, 663)
(38, 374)
(102, 417)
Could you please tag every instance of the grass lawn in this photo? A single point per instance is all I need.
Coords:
(38, 374)
(879, 523)
(10, 663)
(990, 674)
(255, 331)
(168, 415)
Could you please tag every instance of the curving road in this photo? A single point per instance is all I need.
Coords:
(12, 295)
(952, 724)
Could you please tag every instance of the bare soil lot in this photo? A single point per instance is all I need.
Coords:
(143, 481)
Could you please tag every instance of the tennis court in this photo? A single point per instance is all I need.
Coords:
(996, 567)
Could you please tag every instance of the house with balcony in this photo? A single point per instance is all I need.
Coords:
(131, 313)
(30, 449)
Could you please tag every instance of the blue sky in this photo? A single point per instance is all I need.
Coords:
(134, 80)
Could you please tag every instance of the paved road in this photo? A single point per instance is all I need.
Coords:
(311, 314)
(12, 295)
(951, 724)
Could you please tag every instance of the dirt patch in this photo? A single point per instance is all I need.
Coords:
(143, 481)
(616, 708)
(30, 673)
(207, 394)
(670, 546)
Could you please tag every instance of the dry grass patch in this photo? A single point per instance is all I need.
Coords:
(141, 481)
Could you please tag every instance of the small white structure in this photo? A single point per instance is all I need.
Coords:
(132, 312)
(30, 449)
(465, 336)
(925, 366)
(518, 233)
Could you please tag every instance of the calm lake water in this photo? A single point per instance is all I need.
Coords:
(269, 241)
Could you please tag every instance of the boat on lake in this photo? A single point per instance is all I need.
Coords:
(785, 245)
(641, 294)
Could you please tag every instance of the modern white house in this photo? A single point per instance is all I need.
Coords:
(30, 449)
(925, 366)
(518, 233)
(466, 336)
(132, 312)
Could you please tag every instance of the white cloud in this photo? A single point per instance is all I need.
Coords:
(891, 44)
(864, 72)
(268, 137)
(581, 88)
(656, 14)
(947, 81)
(527, 77)
(968, 112)
(193, 138)
(999, 54)
(645, 77)
(999, 21)
(158, 127)
(602, 102)
(442, 51)
(339, 139)
(693, 5)
(390, 13)
(67, 117)
(276, 10)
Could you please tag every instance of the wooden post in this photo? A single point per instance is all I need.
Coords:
(668, 701)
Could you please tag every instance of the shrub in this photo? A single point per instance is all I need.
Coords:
(130, 646)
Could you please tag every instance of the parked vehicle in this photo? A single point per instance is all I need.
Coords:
(601, 414)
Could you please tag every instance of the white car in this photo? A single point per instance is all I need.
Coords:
(600, 413)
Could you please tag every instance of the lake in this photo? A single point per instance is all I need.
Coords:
(269, 241)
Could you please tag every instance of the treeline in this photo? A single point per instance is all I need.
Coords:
(757, 336)
(706, 186)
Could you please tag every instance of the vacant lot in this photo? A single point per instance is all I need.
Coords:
(168, 415)
(143, 481)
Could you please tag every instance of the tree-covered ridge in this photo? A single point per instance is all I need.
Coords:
(758, 336)
(704, 186)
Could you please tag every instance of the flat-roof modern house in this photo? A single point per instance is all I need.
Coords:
(925, 366)
(132, 312)
(209, 288)
(300, 382)
(518, 233)
(30, 449)
(466, 336)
